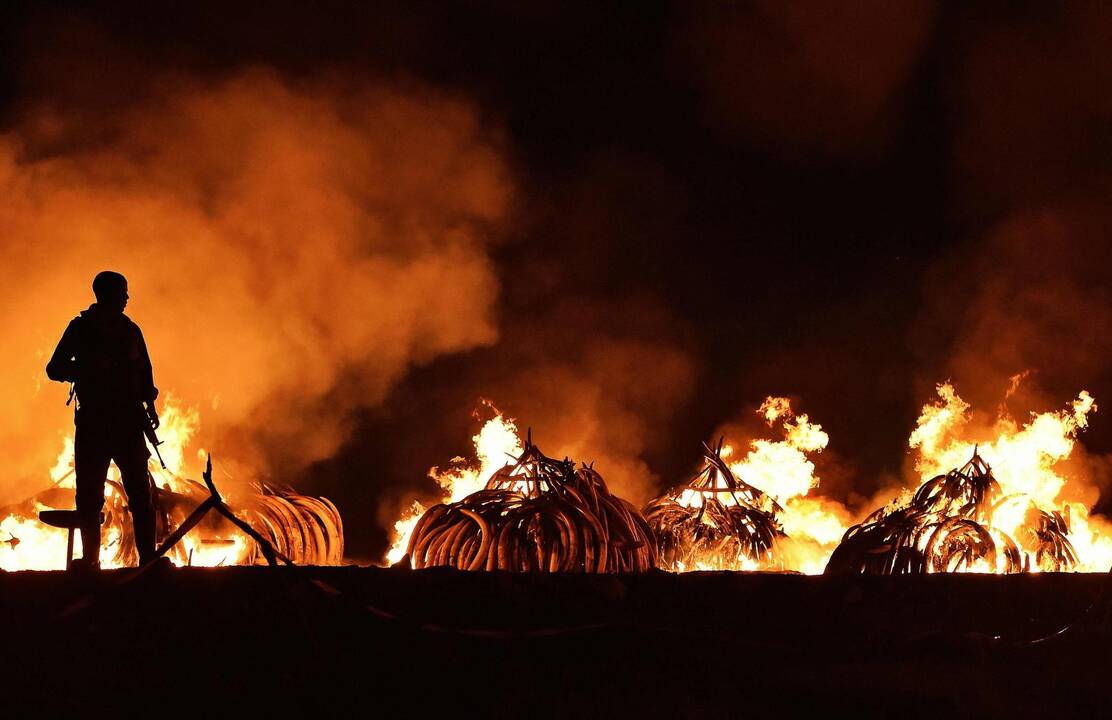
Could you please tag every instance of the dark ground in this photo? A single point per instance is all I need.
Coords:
(256, 641)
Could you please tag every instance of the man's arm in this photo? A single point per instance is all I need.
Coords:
(146, 380)
(63, 365)
(146, 371)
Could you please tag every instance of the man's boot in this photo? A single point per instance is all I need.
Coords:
(142, 518)
(90, 547)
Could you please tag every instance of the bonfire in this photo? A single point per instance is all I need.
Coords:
(535, 514)
(1019, 518)
(946, 527)
(716, 521)
(307, 530)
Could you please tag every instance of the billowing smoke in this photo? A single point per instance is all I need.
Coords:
(1037, 301)
(292, 249)
(1032, 328)
(597, 385)
(1027, 293)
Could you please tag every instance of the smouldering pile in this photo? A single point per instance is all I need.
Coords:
(948, 527)
(307, 530)
(716, 522)
(536, 514)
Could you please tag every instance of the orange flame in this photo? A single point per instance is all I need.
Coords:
(495, 445)
(783, 470)
(1026, 459)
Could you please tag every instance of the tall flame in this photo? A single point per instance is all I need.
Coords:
(783, 470)
(496, 443)
(1026, 459)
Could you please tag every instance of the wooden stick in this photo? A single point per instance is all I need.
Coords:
(214, 502)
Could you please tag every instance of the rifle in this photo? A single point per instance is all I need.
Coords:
(152, 436)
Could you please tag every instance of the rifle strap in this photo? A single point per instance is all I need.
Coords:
(72, 399)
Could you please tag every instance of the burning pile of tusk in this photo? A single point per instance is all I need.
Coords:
(536, 514)
(308, 530)
(948, 526)
(305, 529)
(716, 521)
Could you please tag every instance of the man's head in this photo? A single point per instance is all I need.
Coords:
(111, 290)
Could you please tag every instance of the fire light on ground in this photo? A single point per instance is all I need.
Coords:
(753, 513)
(993, 499)
(308, 530)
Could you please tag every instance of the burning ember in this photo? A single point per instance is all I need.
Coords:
(305, 529)
(752, 514)
(974, 519)
(533, 513)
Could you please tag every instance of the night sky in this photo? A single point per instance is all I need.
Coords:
(842, 203)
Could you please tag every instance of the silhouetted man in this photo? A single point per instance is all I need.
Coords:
(103, 353)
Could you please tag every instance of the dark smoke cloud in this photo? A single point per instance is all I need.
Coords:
(803, 78)
(1030, 108)
(1028, 292)
(1029, 288)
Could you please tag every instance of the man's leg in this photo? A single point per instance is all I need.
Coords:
(90, 465)
(132, 463)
